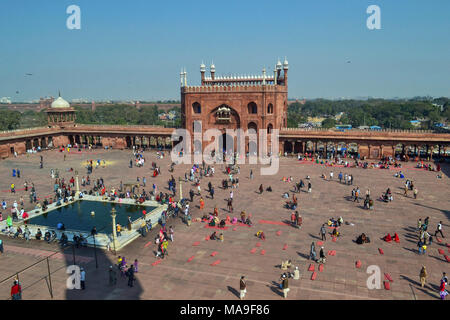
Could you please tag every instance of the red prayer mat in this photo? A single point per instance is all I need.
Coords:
(215, 263)
(274, 222)
(387, 276)
(216, 227)
(156, 262)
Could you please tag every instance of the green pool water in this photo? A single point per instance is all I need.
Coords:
(77, 216)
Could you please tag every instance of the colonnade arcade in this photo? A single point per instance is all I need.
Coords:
(371, 149)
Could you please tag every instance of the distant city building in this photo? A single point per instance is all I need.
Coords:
(45, 102)
(6, 100)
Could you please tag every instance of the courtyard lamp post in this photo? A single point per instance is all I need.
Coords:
(113, 216)
(181, 189)
(95, 250)
(77, 185)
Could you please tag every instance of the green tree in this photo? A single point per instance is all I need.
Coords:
(329, 123)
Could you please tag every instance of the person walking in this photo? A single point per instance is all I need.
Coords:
(423, 276)
(323, 232)
(356, 195)
(242, 287)
(439, 229)
(130, 274)
(112, 276)
(285, 285)
(322, 258)
(251, 174)
(230, 205)
(82, 278)
(442, 288)
(16, 291)
(1, 246)
(312, 252)
(211, 191)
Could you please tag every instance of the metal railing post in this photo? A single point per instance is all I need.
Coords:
(49, 279)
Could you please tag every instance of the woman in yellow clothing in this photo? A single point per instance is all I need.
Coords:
(202, 203)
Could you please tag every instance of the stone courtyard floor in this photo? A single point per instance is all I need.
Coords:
(179, 277)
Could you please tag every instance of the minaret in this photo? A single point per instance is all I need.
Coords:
(264, 76)
(181, 78)
(185, 78)
(213, 70)
(278, 67)
(285, 68)
(275, 76)
(202, 72)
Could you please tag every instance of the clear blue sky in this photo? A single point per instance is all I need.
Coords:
(135, 49)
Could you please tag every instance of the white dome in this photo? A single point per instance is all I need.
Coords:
(60, 103)
(279, 65)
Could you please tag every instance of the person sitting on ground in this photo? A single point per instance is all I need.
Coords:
(387, 238)
(269, 189)
(260, 234)
(222, 224)
(340, 221)
(286, 264)
(396, 238)
(38, 234)
(335, 233)
(53, 236)
(362, 239)
(63, 240)
(243, 216)
(248, 221)
(18, 232)
(213, 236)
(47, 236)
(212, 223)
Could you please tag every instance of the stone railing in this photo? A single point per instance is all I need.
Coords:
(360, 130)
(24, 130)
(239, 88)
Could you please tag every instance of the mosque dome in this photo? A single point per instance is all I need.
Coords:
(60, 103)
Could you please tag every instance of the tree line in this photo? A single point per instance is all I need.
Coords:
(394, 114)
